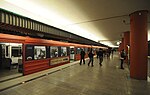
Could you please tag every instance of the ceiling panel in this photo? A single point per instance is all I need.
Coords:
(98, 20)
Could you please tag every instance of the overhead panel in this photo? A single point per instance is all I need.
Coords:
(25, 26)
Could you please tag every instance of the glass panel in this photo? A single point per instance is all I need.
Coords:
(11, 19)
(3, 17)
(47, 51)
(33, 26)
(86, 50)
(54, 52)
(36, 25)
(16, 51)
(46, 28)
(25, 22)
(41, 27)
(7, 18)
(78, 50)
(14, 20)
(39, 52)
(29, 52)
(20, 22)
(71, 50)
(29, 24)
(17, 21)
(63, 51)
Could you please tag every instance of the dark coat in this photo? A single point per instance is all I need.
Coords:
(100, 53)
(90, 55)
(82, 54)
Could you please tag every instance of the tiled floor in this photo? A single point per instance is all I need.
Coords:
(9, 74)
(84, 80)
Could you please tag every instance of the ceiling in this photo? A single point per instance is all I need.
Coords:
(98, 20)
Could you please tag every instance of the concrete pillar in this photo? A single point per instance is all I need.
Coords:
(138, 45)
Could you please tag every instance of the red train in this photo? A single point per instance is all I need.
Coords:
(30, 55)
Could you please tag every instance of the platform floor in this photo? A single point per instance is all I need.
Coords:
(85, 80)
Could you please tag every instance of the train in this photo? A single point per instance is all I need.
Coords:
(30, 55)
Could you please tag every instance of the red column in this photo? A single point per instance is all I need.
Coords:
(138, 45)
(126, 42)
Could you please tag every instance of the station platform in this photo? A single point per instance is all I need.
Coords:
(75, 79)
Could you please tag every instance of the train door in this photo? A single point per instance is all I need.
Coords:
(72, 53)
(10, 60)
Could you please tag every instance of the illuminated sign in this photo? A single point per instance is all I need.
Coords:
(59, 60)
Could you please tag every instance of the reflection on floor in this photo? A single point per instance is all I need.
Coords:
(72, 61)
(149, 67)
(108, 79)
(6, 74)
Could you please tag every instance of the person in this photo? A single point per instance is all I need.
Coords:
(91, 54)
(82, 55)
(122, 58)
(100, 55)
(108, 53)
(112, 51)
(97, 53)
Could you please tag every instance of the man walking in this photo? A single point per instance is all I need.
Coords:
(91, 54)
(82, 55)
(100, 54)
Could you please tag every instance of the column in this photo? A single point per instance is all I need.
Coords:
(138, 44)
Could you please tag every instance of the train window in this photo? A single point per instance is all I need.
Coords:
(86, 50)
(78, 50)
(41, 27)
(71, 50)
(14, 20)
(38, 28)
(20, 22)
(10, 16)
(17, 21)
(33, 25)
(16, 51)
(29, 24)
(54, 51)
(7, 18)
(63, 51)
(39, 52)
(3, 17)
(94, 50)
(44, 28)
(29, 53)
(23, 23)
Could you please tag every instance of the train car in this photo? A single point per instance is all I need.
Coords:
(77, 50)
(28, 55)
